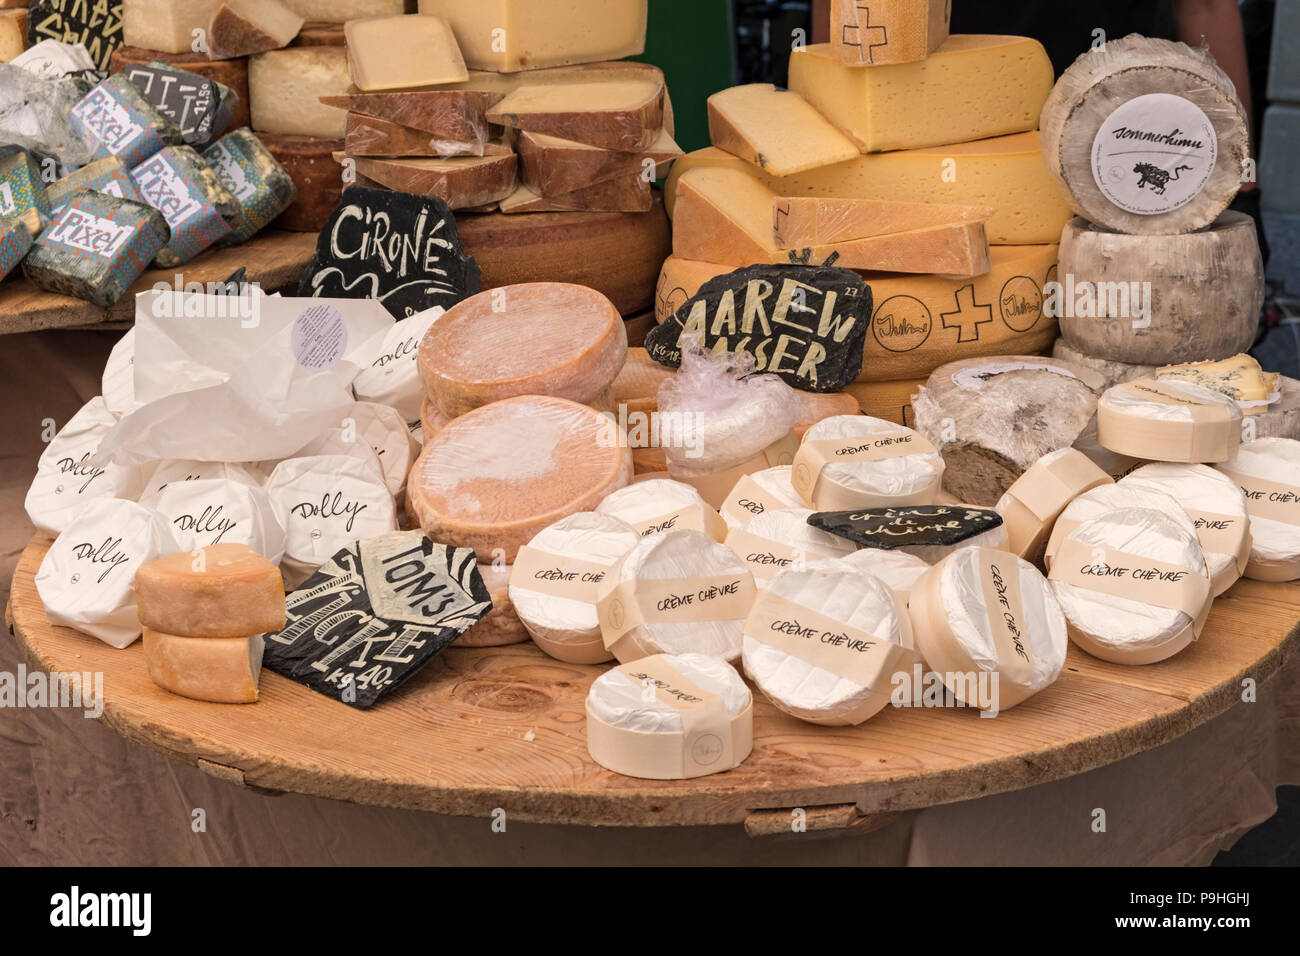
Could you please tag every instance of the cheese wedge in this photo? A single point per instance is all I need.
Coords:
(221, 670)
(616, 114)
(390, 53)
(775, 130)
(887, 31)
(1239, 377)
(812, 220)
(463, 181)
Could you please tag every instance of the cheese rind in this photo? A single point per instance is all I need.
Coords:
(391, 53)
(887, 31)
(222, 590)
(13, 34)
(223, 670)
(816, 220)
(624, 114)
(774, 129)
(243, 27)
(166, 25)
(285, 87)
(971, 88)
(1036, 499)
(553, 167)
(462, 181)
(338, 11)
(1113, 372)
(317, 178)
(373, 136)
(501, 626)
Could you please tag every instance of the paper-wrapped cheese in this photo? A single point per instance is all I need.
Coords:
(220, 590)
(1104, 498)
(213, 511)
(661, 505)
(757, 492)
(855, 461)
(1036, 499)
(1266, 470)
(1168, 421)
(374, 433)
(393, 375)
(780, 539)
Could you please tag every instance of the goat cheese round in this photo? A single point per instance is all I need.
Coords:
(1266, 470)
(1168, 421)
(1036, 499)
(855, 461)
(1116, 497)
(757, 492)
(659, 505)
(771, 542)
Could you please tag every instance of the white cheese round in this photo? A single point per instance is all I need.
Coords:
(898, 569)
(1266, 470)
(556, 577)
(392, 376)
(87, 578)
(1168, 421)
(1116, 497)
(660, 505)
(1036, 499)
(826, 682)
(370, 432)
(774, 541)
(214, 510)
(1217, 506)
(757, 492)
(718, 423)
(901, 478)
(1118, 547)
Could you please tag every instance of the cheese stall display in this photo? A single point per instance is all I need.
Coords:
(936, 391)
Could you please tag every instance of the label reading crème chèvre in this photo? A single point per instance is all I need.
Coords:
(706, 725)
(720, 597)
(747, 499)
(560, 575)
(999, 578)
(815, 455)
(1273, 500)
(766, 558)
(691, 518)
(1154, 154)
(1132, 576)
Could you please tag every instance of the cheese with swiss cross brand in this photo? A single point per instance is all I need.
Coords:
(887, 31)
(219, 590)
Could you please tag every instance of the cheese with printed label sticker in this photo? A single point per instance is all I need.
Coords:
(855, 461)
(1265, 469)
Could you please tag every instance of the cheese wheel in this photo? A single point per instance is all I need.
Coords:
(494, 477)
(538, 338)
(1281, 419)
(827, 683)
(1266, 471)
(1146, 136)
(501, 625)
(432, 420)
(758, 492)
(1106, 498)
(992, 418)
(554, 591)
(637, 726)
(1112, 372)
(781, 538)
(221, 670)
(1036, 499)
(1143, 299)
(1168, 421)
(317, 178)
(1217, 506)
(966, 634)
(1115, 605)
(223, 590)
(641, 605)
(658, 506)
(636, 386)
(891, 401)
(908, 472)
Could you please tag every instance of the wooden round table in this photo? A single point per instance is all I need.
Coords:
(479, 729)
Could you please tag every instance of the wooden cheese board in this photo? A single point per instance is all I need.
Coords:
(486, 728)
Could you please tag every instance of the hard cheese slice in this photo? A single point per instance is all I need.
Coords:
(552, 166)
(810, 220)
(454, 115)
(616, 114)
(373, 136)
(286, 87)
(389, 53)
(775, 130)
(880, 32)
(462, 181)
(243, 27)
(614, 195)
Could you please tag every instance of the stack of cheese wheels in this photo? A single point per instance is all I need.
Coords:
(1112, 372)
(758, 492)
(1217, 507)
(676, 593)
(556, 578)
(203, 615)
(657, 505)
(775, 540)
(1116, 497)
(854, 461)
(1168, 421)
(499, 474)
(536, 338)
(824, 641)
(500, 626)
(670, 717)
(1133, 585)
(1036, 499)
(980, 613)
(635, 397)
(1266, 469)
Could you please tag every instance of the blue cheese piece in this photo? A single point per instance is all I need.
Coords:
(200, 107)
(96, 247)
(108, 176)
(15, 241)
(114, 119)
(260, 185)
(185, 189)
(22, 191)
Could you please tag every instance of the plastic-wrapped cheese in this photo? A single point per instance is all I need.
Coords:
(214, 510)
(637, 384)
(326, 502)
(676, 593)
(220, 670)
(555, 581)
(779, 539)
(757, 492)
(1168, 421)
(371, 432)
(1113, 372)
(980, 613)
(1133, 585)
(432, 420)
(1266, 469)
(393, 375)
(494, 477)
(823, 643)
(661, 505)
(1036, 499)
(855, 461)
(1217, 507)
(670, 717)
(1104, 498)
(220, 590)
(535, 338)
(501, 625)
(87, 578)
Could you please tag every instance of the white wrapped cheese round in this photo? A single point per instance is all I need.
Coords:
(771, 542)
(987, 623)
(325, 503)
(67, 475)
(501, 625)
(676, 593)
(370, 431)
(823, 643)
(1266, 470)
(1133, 585)
(393, 375)
(555, 581)
(87, 578)
(670, 717)
(1168, 421)
(757, 492)
(173, 471)
(214, 510)
(118, 382)
(855, 461)
(1036, 499)
(1217, 507)
(657, 506)
(1116, 497)
(898, 569)
(1146, 136)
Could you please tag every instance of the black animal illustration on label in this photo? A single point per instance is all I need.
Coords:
(1155, 177)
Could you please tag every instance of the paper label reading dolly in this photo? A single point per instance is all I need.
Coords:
(1154, 154)
(813, 456)
(557, 574)
(721, 597)
(320, 338)
(999, 575)
(1273, 500)
(1134, 577)
(706, 725)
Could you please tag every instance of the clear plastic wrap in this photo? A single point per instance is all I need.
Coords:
(900, 479)
(1116, 497)
(501, 625)
(618, 700)
(34, 115)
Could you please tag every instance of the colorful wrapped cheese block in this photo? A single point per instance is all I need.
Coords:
(96, 247)
(188, 192)
(200, 107)
(108, 176)
(261, 186)
(15, 240)
(115, 119)
(22, 191)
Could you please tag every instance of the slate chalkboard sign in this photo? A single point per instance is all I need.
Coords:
(375, 613)
(806, 324)
(396, 247)
(95, 23)
(906, 526)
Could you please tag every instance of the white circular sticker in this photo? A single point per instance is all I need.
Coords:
(320, 337)
(1154, 154)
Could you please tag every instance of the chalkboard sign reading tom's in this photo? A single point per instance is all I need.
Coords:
(396, 247)
(806, 324)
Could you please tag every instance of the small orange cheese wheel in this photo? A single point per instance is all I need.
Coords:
(222, 670)
(223, 590)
